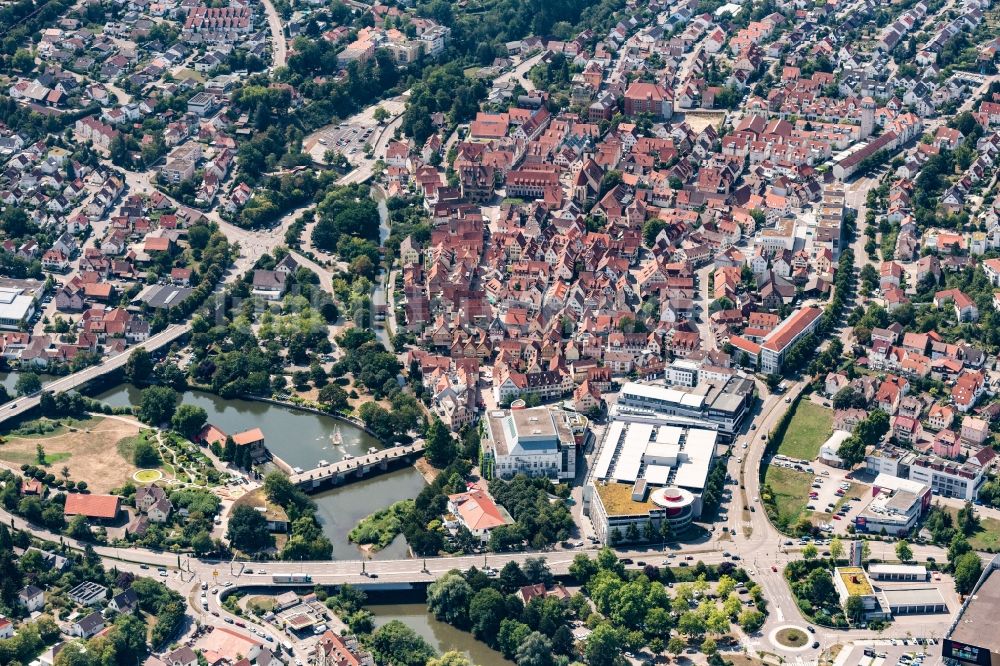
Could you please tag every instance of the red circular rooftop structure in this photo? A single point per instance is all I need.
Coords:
(677, 502)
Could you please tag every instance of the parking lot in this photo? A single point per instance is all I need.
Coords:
(349, 137)
(896, 652)
(348, 140)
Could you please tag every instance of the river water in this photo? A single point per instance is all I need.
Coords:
(441, 636)
(301, 439)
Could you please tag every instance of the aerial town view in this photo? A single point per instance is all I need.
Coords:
(499, 332)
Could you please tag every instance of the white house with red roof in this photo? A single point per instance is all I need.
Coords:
(476, 511)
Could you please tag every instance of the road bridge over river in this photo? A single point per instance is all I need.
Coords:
(17, 407)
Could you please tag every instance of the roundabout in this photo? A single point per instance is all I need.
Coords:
(147, 476)
(790, 637)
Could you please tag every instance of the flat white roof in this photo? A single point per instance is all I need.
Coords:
(669, 435)
(696, 458)
(657, 450)
(913, 596)
(657, 475)
(898, 569)
(16, 308)
(632, 450)
(664, 394)
(611, 438)
(889, 482)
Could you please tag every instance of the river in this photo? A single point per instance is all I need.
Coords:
(301, 439)
(9, 379)
(441, 636)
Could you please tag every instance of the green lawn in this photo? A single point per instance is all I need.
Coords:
(30, 458)
(791, 493)
(811, 425)
(987, 538)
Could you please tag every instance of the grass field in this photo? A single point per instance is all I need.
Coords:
(90, 453)
(791, 493)
(811, 425)
(988, 536)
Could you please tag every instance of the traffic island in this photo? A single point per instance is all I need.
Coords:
(791, 638)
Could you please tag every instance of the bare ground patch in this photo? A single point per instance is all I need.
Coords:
(91, 453)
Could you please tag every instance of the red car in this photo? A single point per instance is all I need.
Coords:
(836, 517)
(240, 623)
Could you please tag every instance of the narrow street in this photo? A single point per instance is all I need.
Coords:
(278, 46)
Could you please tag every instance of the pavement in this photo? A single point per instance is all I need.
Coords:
(279, 49)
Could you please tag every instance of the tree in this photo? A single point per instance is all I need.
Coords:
(441, 447)
(451, 658)
(145, 454)
(189, 420)
(39, 454)
(903, 551)
(604, 646)
(852, 451)
(773, 381)
(751, 620)
(676, 645)
(28, 383)
(836, 549)
(583, 568)
(968, 521)
(854, 608)
(395, 644)
(380, 115)
(157, 404)
(535, 650)
(709, 647)
(511, 577)
(202, 543)
(139, 366)
(448, 598)
(968, 568)
(486, 611)
(536, 570)
(248, 529)
(23, 61)
(810, 552)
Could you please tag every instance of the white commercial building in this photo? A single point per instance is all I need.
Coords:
(536, 442)
(648, 471)
(719, 406)
(896, 507)
(16, 308)
(776, 344)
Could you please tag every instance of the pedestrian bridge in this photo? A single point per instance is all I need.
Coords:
(345, 471)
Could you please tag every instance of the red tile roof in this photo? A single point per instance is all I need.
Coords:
(92, 506)
(789, 329)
